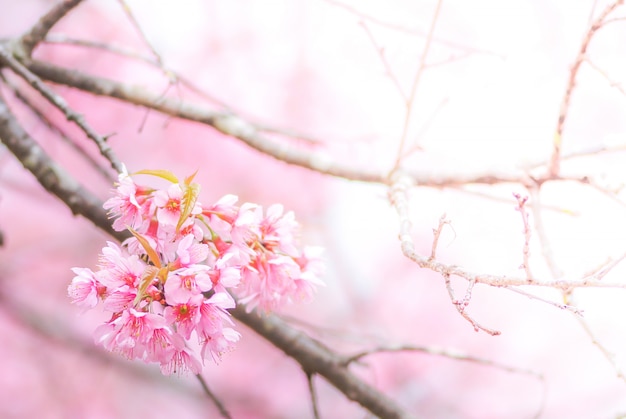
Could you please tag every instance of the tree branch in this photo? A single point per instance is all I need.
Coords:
(231, 125)
(7, 58)
(49, 174)
(557, 143)
(310, 354)
(37, 33)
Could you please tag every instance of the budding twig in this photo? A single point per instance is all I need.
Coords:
(567, 97)
(521, 202)
(436, 234)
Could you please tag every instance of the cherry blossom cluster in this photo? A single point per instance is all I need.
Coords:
(169, 284)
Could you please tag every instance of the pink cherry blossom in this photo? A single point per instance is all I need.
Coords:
(125, 205)
(215, 338)
(268, 282)
(180, 358)
(128, 333)
(184, 314)
(169, 205)
(171, 280)
(277, 230)
(225, 275)
(184, 283)
(85, 288)
(190, 252)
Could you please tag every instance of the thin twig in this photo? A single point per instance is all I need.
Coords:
(216, 401)
(610, 357)
(460, 306)
(399, 28)
(521, 202)
(142, 35)
(184, 81)
(565, 103)
(381, 54)
(436, 234)
(56, 129)
(544, 241)
(60, 103)
(603, 73)
(424, 128)
(37, 33)
(315, 357)
(445, 353)
(313, 394)
(606, 267)
(418, 76)
(567, 307)
(398, 198)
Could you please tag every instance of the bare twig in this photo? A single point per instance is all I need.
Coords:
(313, 356)
(37, 33)
(436, 234)
(610, 357)
(398, 197)
(216, 401)
(144, 38)
(56, 129)
(414, 32)
(418, 76)
(603, 73)
(381, 53)
(567, 307)
(445, 353)
(313, 394)
(606, 267)
(546, 248)
(460, 306)
(125, 52)
(564, 109)
(521, 202)
(59, 102)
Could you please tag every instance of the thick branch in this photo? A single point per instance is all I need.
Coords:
(49, 174)
(227, 123)
(236, 127)
(38, 32)
(313, 356)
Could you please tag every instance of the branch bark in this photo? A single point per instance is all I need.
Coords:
(236, 127)
(37, 33)
(314, 357)
(50, 175)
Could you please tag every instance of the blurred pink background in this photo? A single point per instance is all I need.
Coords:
(491, 103)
